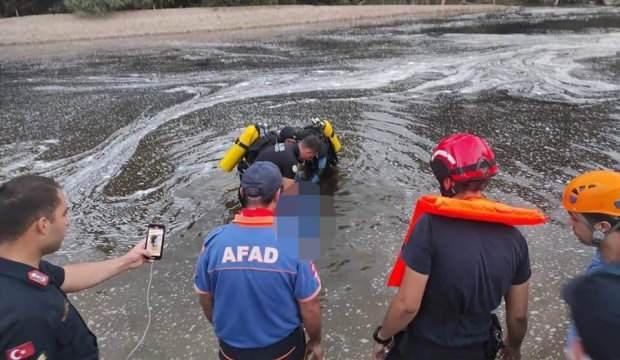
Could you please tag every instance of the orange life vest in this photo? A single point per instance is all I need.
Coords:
(476, 209)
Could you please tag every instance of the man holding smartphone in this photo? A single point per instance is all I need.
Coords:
(37, 319)
(258, 296)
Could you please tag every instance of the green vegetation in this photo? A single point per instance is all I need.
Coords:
(97, 7)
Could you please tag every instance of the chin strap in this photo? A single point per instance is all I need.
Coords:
(447, 193)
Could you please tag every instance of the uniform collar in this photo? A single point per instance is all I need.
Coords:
(24, 272)
(254, 212)
(254, 217)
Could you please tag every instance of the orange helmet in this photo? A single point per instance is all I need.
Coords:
(595, 192)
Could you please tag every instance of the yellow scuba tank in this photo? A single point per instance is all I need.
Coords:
(329, 132)
(239, 148)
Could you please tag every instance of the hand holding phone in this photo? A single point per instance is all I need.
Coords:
(155, 236)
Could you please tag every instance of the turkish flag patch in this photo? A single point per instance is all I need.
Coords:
(38, 277)
(21, 352)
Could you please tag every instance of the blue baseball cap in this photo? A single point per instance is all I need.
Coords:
(263, 178)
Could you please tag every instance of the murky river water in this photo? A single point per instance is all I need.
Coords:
(136, 138)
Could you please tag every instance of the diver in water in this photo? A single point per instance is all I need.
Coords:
(288, 157)
(256, 140)
(302, 154)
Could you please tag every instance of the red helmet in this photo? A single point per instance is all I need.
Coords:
(463, 157)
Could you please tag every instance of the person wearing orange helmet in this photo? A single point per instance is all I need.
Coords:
(462, 254)
(593, 203)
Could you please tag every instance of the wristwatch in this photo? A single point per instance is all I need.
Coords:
(378, 340)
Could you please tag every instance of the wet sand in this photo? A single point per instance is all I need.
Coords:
(70, 35)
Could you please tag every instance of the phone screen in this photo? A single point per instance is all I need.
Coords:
(155, 241)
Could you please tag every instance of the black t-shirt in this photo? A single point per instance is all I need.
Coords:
(37, 319)
(285, 156)
(471, 266)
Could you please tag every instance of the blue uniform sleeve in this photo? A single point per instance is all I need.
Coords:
(595, 264)
(307, 282)
(418, 251)
(202, 280)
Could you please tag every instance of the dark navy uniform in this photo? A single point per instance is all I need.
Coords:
(37, 321)
(285, 156)
(471, 266)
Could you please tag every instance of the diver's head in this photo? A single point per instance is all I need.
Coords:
(309, 147)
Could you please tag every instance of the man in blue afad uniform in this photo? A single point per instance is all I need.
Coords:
(37, 320)
(258, 296)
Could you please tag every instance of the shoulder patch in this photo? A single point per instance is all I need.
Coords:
(279, 147)
(37, 277)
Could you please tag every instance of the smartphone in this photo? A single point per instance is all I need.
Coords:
(155, 240)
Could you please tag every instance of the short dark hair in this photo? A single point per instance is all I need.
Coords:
(473, 185)
(23, 200)
(260, 200)
(597, 218)
(312, 142)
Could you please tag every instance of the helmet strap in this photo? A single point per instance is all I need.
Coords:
(447, 193)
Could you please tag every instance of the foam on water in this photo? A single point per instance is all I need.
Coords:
(392, 91)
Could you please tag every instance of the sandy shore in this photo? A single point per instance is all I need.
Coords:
(68, 34)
